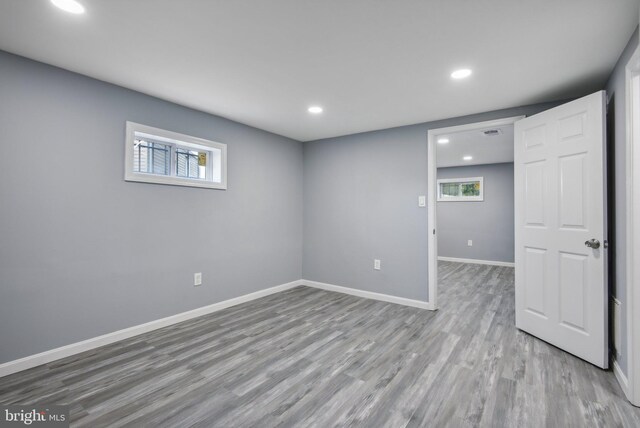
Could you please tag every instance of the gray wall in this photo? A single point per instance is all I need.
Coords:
(361, 202)
(488, 223)
(84, 253)
(616, 87)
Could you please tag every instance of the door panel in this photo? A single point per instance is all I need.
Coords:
(561, 290)
(535, 185)
(572, 198)
(534, 280)
(573, 286)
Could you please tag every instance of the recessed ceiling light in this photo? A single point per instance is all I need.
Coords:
(443, 140)
(461, 74)
(71, 6)
(467, 158)
(315, 109)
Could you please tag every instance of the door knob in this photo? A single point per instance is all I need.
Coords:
(592, 243)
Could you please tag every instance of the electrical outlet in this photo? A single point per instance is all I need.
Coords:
(197, 279)
(469, 243)
(376, 264)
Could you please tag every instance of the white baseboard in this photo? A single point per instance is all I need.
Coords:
(106, 339)
(369, 294)
(622, 379)
(476, 261)
(31, 361)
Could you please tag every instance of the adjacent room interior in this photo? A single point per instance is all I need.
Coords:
(475, 201)
(319, 213)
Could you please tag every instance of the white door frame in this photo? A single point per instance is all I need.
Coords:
(432, 192)
(632, 389)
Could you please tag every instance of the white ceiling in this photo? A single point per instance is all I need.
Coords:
(484, 149)
(371, 64)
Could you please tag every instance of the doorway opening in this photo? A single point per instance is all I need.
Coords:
(470, 196)
(560, 277)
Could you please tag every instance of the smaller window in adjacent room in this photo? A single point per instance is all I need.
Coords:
(461, 189)
(154, 155)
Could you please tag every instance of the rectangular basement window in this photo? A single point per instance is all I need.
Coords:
(461, 189)
(153, 155)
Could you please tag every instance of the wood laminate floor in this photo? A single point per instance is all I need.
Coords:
(308, 357)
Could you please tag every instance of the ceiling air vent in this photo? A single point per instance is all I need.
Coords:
(491, 132)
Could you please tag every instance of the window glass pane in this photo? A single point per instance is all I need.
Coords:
(157, 156)
(460, 189)
(181, 163)
(191, 163)
(471, 188)
(450, 189)
(151, 157)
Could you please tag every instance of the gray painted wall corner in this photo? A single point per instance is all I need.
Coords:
(361, 193)
(85, 253)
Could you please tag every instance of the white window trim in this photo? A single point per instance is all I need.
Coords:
(174, 139)
(461, 198)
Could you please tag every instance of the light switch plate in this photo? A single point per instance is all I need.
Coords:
(197, 278)
(422, 201)
(376, 264)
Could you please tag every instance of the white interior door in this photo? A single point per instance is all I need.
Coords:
(561, 286)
